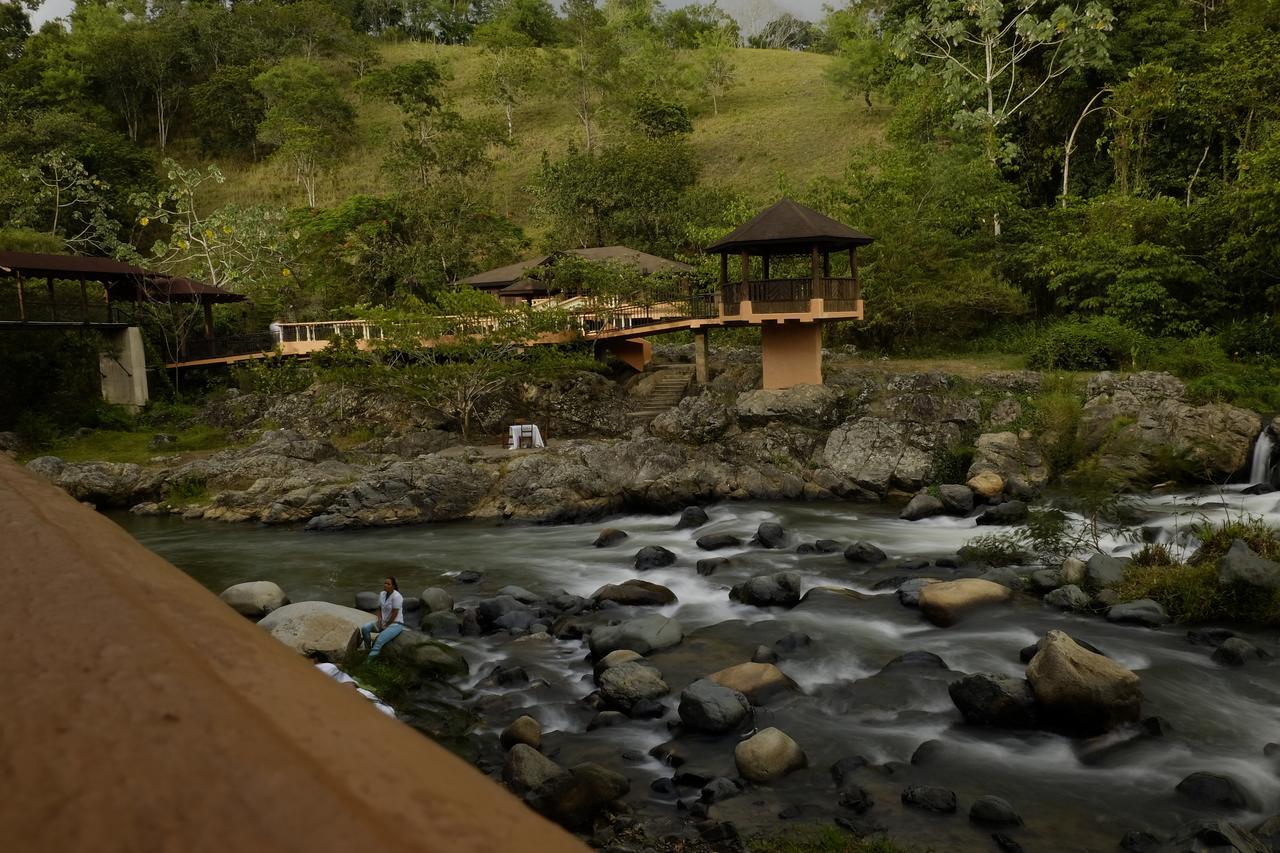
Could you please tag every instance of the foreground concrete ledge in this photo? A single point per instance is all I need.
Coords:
(141, 713)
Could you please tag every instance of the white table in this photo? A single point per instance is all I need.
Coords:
(514, 430)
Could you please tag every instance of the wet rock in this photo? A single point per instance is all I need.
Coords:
(928, 753)
(1217, 790)
(1105, 598)
(767, 755)
(1235, 652)
(1143, 611)
(716, 541)
(1217, 836)
(525, 730)
(913, 564)
(1046, 580)
(1209, 636)
(1028, 652)
(711, 565)
(718, 790)
(956, 499)
(609, 537)
(574, 799)
(827, 546)
(520, 594)
(663, 787)
(770, 535)
(1240, 565)
(864, 552)
(1136, 841)
(613, 659)
(855, 798)
(653, 557)
(506, 675)
(930, 798)
(1004, 576)
(764, 654)
(949, 561)
(1074, 571)
(607, 719)
(759, 682)
(842, 771)
(436, 600)
(470, 576)
(254, 599)
(923, 505)
(945, 603)
(706, 706)
(1005, 844)
(909, 591)
(987, 485)
(1069, 597)
(644, 635)
(779, 590)
(648, 709)
(635, 593)
(626, 684)
(442, 623)
(1081, 691)
(986, 699)
(994, 810)
(1268, 832)
(917, 658)
(489, 611)
(1102, 571)
(428, 657)
(692, 516)
(790, 643)
(526, 769)
(1009, 512)
(316, 629)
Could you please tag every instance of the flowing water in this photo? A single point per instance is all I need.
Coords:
(1073, 794)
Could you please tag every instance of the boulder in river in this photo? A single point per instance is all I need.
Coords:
(526, 769)
(1240, 565)
(316, 628)
(767, 755)
(625, 685)
(930, 798)
(425, 656)
(909, 590)
(525, 730)
(1080, 691)
(653, 557)
(575, 798)
(1235, 651)
(716, 541)
(779, 590)
(1143, 611)
(770, 535)
(1069, 597)
(613, 659)
(1009, 512)
(692, 516)
(636, 593)
(923, 505)
(705, 706)
(864, 552)
(710, 565)
(987, 485)
(436, 600)
(993, 810)
(367, 601)
(609, 537)
(1216, 835)
(945, 603)
(1102, 571)
(643, 635)
(1217, 790)
(759, 682)
(986, 699)
(956, 499)
(254, 599)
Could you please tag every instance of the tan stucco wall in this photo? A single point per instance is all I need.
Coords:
(791, 354)
(140, 713)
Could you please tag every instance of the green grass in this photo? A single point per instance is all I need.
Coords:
(783, 126)
(132, 446)
(823, 839)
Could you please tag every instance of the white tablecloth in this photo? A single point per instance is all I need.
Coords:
(514, 441)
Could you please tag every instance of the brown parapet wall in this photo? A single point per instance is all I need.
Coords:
(140, 713)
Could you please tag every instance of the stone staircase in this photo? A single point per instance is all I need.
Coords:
(669, 387)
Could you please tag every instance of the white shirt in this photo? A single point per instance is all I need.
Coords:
(389, 603)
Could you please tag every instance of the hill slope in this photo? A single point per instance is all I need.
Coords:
(783, 123)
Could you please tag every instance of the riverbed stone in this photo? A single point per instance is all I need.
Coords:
(692, 516)
(1235, 651)
(316, 628)
(625, 685)
(1218, 790)
(608, 537)
(254, 599)
(759, 682)
(1209, 636)
(1240, 565)
(909, 590)
(526, 769)
(428, 657)
(520, 594)
(643, 635)
(614, 659)
(1009, 512)
(1028, 652)
(864, 552)
(994, 810)
(1081, 691)
(767, 755)
(770, 534)
(489, 611)
(719, 789)
(653, 557)
(574, 799)
(636, 593)
(777, 590)
(525, 730)
(923, 505)
(764, 654)
(987, 485)
(367, 601)
(946, 602)
(436, 600)
(1143, 611)
(956, 499)
(716, 541)
(1074, 571)
(1102, 571)
(706, 706)
(930, 798)
(1218, 836)
(987, 699)
(711, 565)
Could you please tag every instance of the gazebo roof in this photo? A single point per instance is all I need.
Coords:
(790, 227)
(121, 280)
(505, 276)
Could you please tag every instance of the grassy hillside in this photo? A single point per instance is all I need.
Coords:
(784, 124)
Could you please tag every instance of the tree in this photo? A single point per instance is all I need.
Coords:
(681, 28)
(227, 110)
(307, 119)
(532, 22)
(158, 52)
(717, 73)
(587, 72)
(64, 185)
(15, 29)
(509, 75)
(785, 32)
(861, 56)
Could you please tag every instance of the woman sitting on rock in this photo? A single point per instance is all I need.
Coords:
(390, 617)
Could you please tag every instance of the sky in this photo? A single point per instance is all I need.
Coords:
(808, 9)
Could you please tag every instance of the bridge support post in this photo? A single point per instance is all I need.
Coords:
(636, 353)
(124, 369)
(700, 356)
(791, 354)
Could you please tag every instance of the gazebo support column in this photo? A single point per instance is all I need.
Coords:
(208, 320)
(791, 354)
(700, 355)
(636, 353)
(124, 369)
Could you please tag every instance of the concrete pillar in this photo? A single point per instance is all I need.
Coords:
(124, 369)
(791, 354)
(700, 356)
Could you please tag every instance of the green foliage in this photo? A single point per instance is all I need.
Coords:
(129, 440)
(188, 490)
(386, 680)
(952, 461)
(994, 549)
(1099, 343)
(307, 119)
(274, 376)
(49, 383)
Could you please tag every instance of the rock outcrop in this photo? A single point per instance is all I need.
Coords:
(316, 628)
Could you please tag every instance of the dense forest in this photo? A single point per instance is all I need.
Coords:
(1108, 169)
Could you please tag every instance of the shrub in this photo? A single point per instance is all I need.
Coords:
(1100, 343)
(1250, 339)
(276, 376)
(995, 549)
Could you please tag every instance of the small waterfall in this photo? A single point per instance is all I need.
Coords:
(1260, 465)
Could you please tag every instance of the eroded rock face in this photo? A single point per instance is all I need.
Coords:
(1081, 691)
(878, 454)
(947, 602)
(698, 419)
(812, 406)
(1009, 455)
(254, 599)
(768, 755)
(316, 628)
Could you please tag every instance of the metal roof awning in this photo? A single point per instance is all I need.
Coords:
(790, 227)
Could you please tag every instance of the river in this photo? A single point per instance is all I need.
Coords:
(1073, 794)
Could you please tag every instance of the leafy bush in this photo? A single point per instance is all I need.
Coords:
(1100, 343)
(1254, 338)
(995, 549)
(275, 376)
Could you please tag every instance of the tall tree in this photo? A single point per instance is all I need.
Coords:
(589, 69)
(307, 119)
(716, 71)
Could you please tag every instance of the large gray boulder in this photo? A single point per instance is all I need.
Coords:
(625, 684)
(697, 419)
(707, 707)
(985, 699)
(254, 599)
(636, 593)
(778, 590)
(1069, 597)
(427, 657)
(1143, 611)
(956, 499)
(575, 798)
(1240, 565)
(923, 505)
(643, 635)
(527, 770)
(813, 406)
(878, 454)
(653, 557)
(1081, 691)
(767, 755)
(1009, 455)
(436, 600)
(1102, 571)
(316, 628)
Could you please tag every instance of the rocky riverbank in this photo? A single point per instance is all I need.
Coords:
(864, 436)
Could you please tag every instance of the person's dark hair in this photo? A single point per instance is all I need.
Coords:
(394, 585)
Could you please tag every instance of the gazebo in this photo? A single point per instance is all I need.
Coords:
(790, 310)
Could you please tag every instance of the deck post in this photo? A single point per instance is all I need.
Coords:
(700, 355)
(53, 299)
(84, 300)
(22, 305)
(813, 289)
(764, 267)
(791, 354)
(208, 320)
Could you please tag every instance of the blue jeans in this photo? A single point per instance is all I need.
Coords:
(387, 634)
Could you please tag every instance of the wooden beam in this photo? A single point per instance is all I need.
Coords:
(826, 264)
(764, 263)
(22, 303)
(208, 320)
(724, 269)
